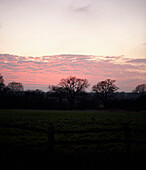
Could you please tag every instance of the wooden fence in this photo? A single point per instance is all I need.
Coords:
(126, 129)
(52, 142)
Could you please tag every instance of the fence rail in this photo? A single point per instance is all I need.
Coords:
(95, 130)
(23, 128)
(127, 137)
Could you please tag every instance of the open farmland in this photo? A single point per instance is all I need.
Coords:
(23, 129)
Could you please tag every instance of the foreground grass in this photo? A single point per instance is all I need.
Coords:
(26, 149)
(70, 120)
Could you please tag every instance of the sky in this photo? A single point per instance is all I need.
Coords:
(111, 31)
(40, 72)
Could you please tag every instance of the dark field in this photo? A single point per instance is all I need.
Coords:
(24, 145)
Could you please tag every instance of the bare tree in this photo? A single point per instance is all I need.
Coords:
(38, 92)
(140, 88)
(2, 85)
(70, 87)
(58, 91)
(16, 86)
(104, 89)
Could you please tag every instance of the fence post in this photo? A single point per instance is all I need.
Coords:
(127, 138)
(51, 137)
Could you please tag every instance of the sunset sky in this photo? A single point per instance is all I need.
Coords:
(43, 41)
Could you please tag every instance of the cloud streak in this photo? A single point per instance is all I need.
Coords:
(143, 60)
(83, 8)
(39, 72)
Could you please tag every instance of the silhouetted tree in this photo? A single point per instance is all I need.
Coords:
(38, 92)
(58, 91)
(71, 87)
(104, 89)
(140, 88)
(16, 86)
(2, 85)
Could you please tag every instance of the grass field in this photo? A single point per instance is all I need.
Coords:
(69, 120)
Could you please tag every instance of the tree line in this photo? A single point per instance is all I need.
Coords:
(70, 93)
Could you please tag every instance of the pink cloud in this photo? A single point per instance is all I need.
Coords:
(39, 72)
